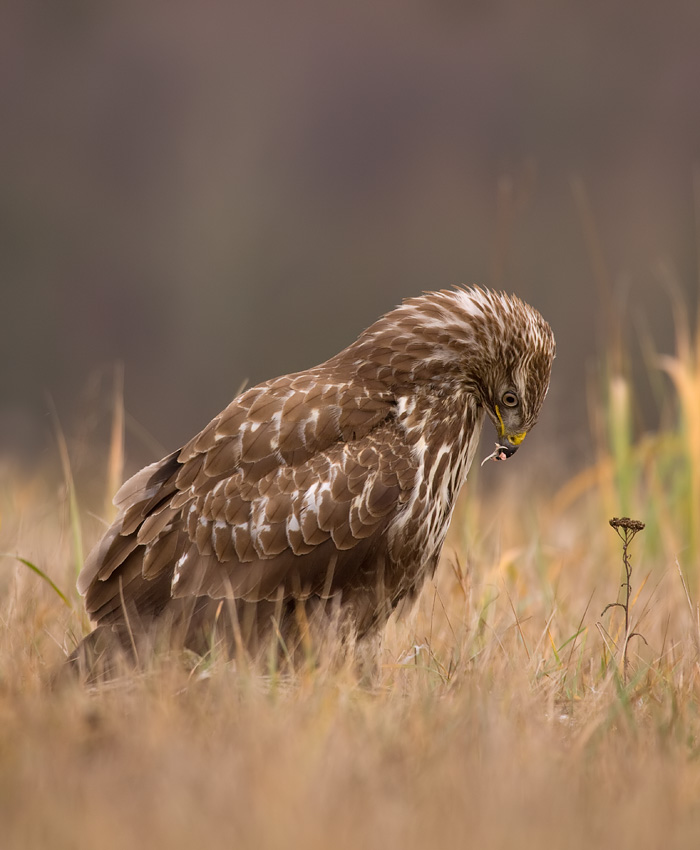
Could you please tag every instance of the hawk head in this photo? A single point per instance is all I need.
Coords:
(489, 345)
(514, 370)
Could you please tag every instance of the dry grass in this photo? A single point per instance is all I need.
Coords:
(502, 717)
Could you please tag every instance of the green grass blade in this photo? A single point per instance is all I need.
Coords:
(41, 575)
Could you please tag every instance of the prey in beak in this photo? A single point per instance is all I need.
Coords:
(506, 447)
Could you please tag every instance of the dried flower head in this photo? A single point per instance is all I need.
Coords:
(628, 524)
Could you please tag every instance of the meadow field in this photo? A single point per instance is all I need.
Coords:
(504, 714)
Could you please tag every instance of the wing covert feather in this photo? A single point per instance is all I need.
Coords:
(279, 488)
(341, 497)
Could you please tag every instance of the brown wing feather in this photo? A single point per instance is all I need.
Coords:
(268, 494)
(291, 539)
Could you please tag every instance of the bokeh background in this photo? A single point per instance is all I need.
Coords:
(211, 192)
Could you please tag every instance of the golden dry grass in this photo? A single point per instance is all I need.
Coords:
(509, 726)
(502, 717)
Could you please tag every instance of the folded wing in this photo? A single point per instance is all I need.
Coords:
(288, 491)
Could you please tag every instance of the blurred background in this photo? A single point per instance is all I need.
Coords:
(213, 192)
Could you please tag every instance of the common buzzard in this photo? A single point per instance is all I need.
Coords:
(322, 497)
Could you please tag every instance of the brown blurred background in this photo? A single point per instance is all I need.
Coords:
(216, 191)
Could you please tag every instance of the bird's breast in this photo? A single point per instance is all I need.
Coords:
(443, 454)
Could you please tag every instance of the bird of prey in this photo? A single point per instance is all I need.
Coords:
(321, 497)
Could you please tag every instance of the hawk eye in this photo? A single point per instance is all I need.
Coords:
(510, 399)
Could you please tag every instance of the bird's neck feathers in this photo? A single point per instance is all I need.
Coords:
(440, 342)
(443, 343)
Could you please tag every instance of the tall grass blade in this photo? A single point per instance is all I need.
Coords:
(41, 575)
(76, 531)
(115, 467)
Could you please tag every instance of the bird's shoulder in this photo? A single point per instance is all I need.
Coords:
(282, 423)
(299, 466)
(249, 535)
